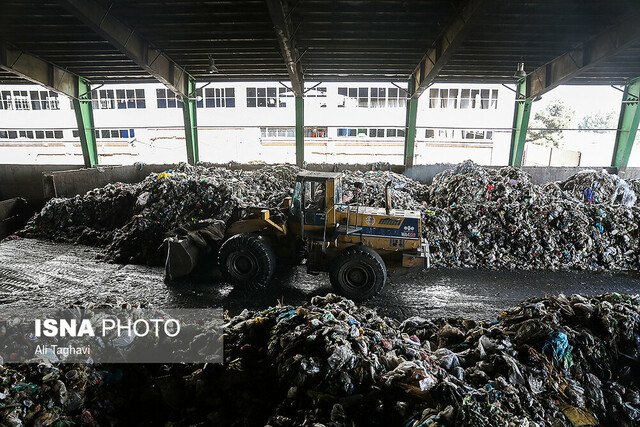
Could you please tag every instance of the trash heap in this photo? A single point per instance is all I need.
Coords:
(469, 183)
(478, 217)
(406, 193)
(635, 183)
(473, 216)
(561, 361)
(45, 394)
(130, 220)
(589, 186)
(556, 360)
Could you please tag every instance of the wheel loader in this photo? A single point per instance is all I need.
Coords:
(355, 244)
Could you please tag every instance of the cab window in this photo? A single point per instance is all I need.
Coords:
(315, 196)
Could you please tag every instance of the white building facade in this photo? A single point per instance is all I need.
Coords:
(254, 121)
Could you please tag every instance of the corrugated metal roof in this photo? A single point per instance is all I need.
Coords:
(337, 40)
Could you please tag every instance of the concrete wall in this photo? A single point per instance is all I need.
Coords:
(26, 181)
(74, 182)
(13, 215)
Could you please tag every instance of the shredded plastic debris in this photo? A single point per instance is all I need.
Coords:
(549, 361)
(473, 216)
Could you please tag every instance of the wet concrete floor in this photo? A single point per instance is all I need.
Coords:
(37, 274)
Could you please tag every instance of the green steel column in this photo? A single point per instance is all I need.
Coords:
(627, 125)
(189, 110)
(86, 127)
(410, 127)
(521, 115)
(300, 131)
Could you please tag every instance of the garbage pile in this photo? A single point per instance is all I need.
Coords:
(473, 216)
(468, 183)
(45, 394)
(562, 361)
(130, 220)
(406, 193)
(635, 183)
(478, 217)
(589, 186)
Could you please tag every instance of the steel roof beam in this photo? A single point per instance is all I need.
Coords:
(583, 57)
(38, 71)
(284, 33)
(124, 38)
(438, 56)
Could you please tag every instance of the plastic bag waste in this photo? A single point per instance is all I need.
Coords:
(472, 216)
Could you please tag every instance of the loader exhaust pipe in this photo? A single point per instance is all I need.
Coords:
(387, 197)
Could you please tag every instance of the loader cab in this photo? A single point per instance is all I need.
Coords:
(314, 199)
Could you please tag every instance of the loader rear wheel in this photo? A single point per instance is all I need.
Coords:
(358, 273)
(246, 260)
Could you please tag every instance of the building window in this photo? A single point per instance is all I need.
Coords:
(376, 133)
(44, 100)
(433, 98)
(348, 96)
(374, 97)
(477, 134)
(103, 99)
(444, 98)
(290, 132)
(21, 100)
(439, 134)
(110, 133)
(283, 94)
(396, 98)
(219, 97)
(167, 99)
(363, 97)
(310, 132)
(130, 98)
(262, 97)
(122, 99)
(494, 99)
(484, 99)
(378, 97)
(463, 98)
(5, 100)
(346, 132)
(372, 132)
(32, 134)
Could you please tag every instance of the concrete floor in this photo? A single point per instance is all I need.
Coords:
(36, 274)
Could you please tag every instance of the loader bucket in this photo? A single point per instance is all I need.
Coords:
(182, 257)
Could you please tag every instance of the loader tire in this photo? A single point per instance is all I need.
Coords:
(246, 260)
(358, 273)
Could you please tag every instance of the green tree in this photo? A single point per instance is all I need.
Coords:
(549, 124)
(599, 120)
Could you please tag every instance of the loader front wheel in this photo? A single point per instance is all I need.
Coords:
(358, 273)
(246, 260)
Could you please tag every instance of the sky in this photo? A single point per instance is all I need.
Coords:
(583, 100)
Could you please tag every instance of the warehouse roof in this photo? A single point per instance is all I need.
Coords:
(327, 40)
